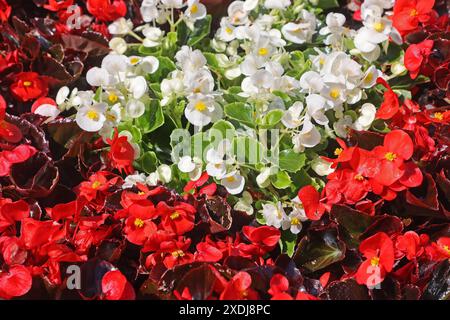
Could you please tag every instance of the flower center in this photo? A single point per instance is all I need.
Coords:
(139, 223)
(230, 179)
(27, 83)
(174, 215)
(228, 30)
(379, 26)
(178, 253)
(368, 78)
(338, 151)
(358, 177)
(141, 193)
(96, 184)
(413, 13)
(93, 115)
(113, 98)
(295, 221)
(390, 156)
(446, 248)
(439, 116)
(263, 51)
(375, 261)
(194, 8)
(200, 106)
(134, 60)
(334, 93)
(321, 61)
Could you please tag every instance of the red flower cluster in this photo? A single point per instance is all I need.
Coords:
(107, 10)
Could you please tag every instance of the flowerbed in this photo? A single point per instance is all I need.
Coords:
(285, 150)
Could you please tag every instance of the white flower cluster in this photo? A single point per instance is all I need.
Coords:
(275, 216)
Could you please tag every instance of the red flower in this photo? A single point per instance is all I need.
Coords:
(8, 131)
(414, 56)
(5, 11)
(408, 14)
(390, 104)
(379, 253)
(116, 287)
(239, 288)
(278, 284)
(12, 212)
(439, 250)
(107, 10)
(57, 5)
(29, 86)
(15, 283)
(310, 199)
(263, 239)
(139, 227)
(178, 219)
(207, 253)
(17, 155)
(36, 233)
(121, 153)
(97, 186)
(410, 244)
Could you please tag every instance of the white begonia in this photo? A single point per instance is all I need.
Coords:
(190, 60)
(62, 95)
(308, 137)
(237, 14)
(149, 10)
(202, 110)
(135, 108)
(335, 93)
(173, 4)
(138, 87)
(277, 4)
(195, 10)
(273, 214)
(170, 89)
(98, 77)
(132, 179)
(300, 32)
(315, 107)
(233, 182)
(226, 31)
(147, 65)
(217, 159)
(370, 77)
(192, 166)
(244, 204)
(292, 222)
(118, 45)
(153, 36)
(91, 118)
(164, 173)
(115, 64)
(321, 166)
(292, 117)
(120, 27)
(199, 82)
(342, 125)
(311, 82)
(364, 121)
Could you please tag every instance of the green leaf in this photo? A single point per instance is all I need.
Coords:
(272, 118)
(281, 180)
(241, 112)
(287, 242)
(211, 59)
(247, 150)
(328, 4)
(319, 249)
(202, 28)
(291, 161)
(223, 128)
(152, 119)
(148, 162)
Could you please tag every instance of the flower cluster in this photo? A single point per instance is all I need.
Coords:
(285, 150)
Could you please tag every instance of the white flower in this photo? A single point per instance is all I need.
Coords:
(321, 166)
(192, 166)
(245, 203)
(138, 87)
(226, 31)
(364, 121)
(62, 95)
(91, 118)
(118, 45)
(97, 77)
(190, 60)
(202, 110)
(277, 4)
(47, 110)
(233, 182)
(149, 11)
(199, 82)
(308, 137)
(115, 64)
(300, 32)
(341, 126)
(164, 173)
(237, 14)
(120, 27)
(249, 5)
(315, 107)
(311, 82)
(370, 77)
(153, 36)
(292, 117)
(273, 214)
(217, 162)
(293, 222)
(175, 4)
(135, 108)
(132, 179)
(195, 10)
(335, 93)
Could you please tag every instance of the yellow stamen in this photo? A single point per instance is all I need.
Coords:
(134, 60)
(27, 83)
(413, 13)
(358, 177)
(390, 156)
(93, 115)
(368, 78)
(230, 179)
(338, 151)
(439, 116)
(379, 26)
(263, 51)
(200, 106)
(194, 8)
(178, 253)
(334, 93)
(446, 248)
(113, 98)
(96, 184)
(375, 261)
(139, 223)
(321, 61)
(174, 215)
(228, 30)
(295, 221)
